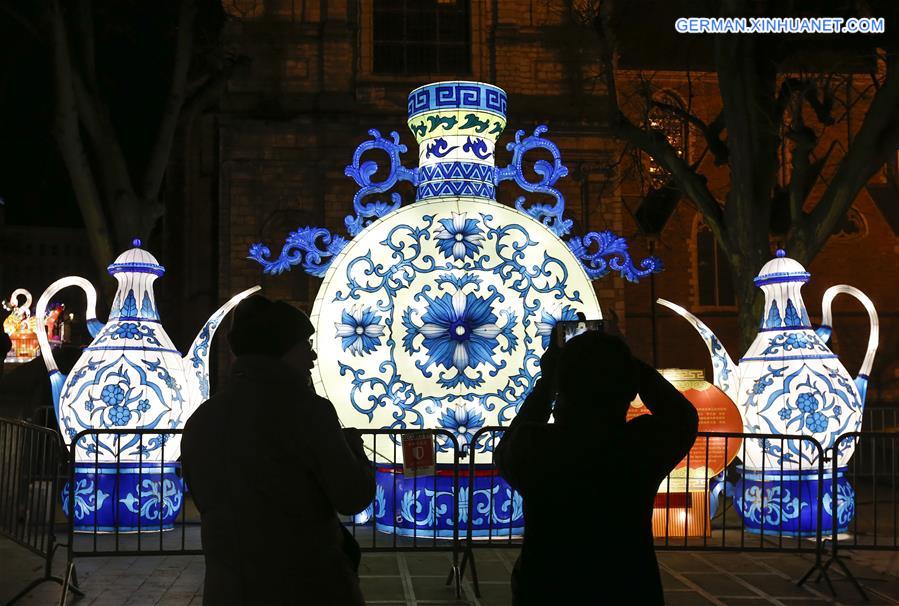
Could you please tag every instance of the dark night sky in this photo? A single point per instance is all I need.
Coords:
(33, 182)
(134, 58)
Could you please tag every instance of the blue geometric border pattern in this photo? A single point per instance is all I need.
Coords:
(457, 170)
(460, 95)
(441, 189)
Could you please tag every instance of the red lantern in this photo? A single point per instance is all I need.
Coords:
(681, 506)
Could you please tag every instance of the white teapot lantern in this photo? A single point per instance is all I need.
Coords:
(790, 383)
(129, 377)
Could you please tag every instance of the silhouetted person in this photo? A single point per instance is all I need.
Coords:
(590, 479)
(269, 468)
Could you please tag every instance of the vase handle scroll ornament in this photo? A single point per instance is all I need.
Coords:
(551, 215)
(825, 330)
(315, 247)
(362, 172)
(94, 326)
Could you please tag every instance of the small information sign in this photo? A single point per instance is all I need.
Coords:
(418, 454)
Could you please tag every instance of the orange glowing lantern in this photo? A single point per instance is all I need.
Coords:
(19, 325)
(682, 503)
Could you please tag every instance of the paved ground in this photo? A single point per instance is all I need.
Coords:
(418, 579)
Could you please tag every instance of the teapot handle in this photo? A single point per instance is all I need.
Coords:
(874, 336)
(56, 378)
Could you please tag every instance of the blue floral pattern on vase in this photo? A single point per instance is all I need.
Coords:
(807, 402)
(87, 498)
(148, 497)
(845, 503)
(456, 332)
(460, 332)
(787, 502)
(463, 421)
(360, 331)
(460, 237)
(794, 341)
(423, 507)
(152, 499)
(120, 393)
(769, 506)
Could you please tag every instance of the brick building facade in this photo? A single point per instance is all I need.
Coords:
(322, 74)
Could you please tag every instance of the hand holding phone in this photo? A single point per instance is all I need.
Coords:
(565, 330)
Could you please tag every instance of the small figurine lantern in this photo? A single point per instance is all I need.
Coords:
(19, 325)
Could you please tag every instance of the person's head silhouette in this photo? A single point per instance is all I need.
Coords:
(596, 380)
(272, 328)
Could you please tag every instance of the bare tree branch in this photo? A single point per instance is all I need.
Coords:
(804, 141)
(211, 87)
(876, 139)
(711, 132)
(71, 145)
(99, 127)
(159, 155)
(87, 44)
(693, 185)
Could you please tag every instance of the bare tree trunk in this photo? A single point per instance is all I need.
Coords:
(72, 148)
(750, 303)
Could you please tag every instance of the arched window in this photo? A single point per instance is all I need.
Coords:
(676, 130)
(714, 286)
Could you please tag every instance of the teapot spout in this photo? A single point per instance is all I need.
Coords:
(725, 371)
(196, 361)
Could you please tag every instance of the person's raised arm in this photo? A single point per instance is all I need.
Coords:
(672, 413)
(341, 467)
(519, 448)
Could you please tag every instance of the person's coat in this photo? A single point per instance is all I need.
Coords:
(269, 469)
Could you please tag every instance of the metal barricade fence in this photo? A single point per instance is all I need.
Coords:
(865, 496)
(415, 513)
(880, 418)
(113, 506)
(30, 467)
(739, 509)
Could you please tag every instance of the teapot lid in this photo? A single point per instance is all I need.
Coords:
(782, 269)
(136, 260)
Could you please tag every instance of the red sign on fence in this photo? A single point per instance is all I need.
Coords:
(418, 454)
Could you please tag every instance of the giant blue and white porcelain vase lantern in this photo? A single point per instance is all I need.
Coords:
(129, 377)
(435, 314)
(789, 383)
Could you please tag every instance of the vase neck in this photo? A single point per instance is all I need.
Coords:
(784, 307)
(456, 125)
(134, 299)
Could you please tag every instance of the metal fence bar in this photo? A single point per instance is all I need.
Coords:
(30, 463)
(876, 529)
(675, 516)
(96, 543)
(879, 418)
(873, 471)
